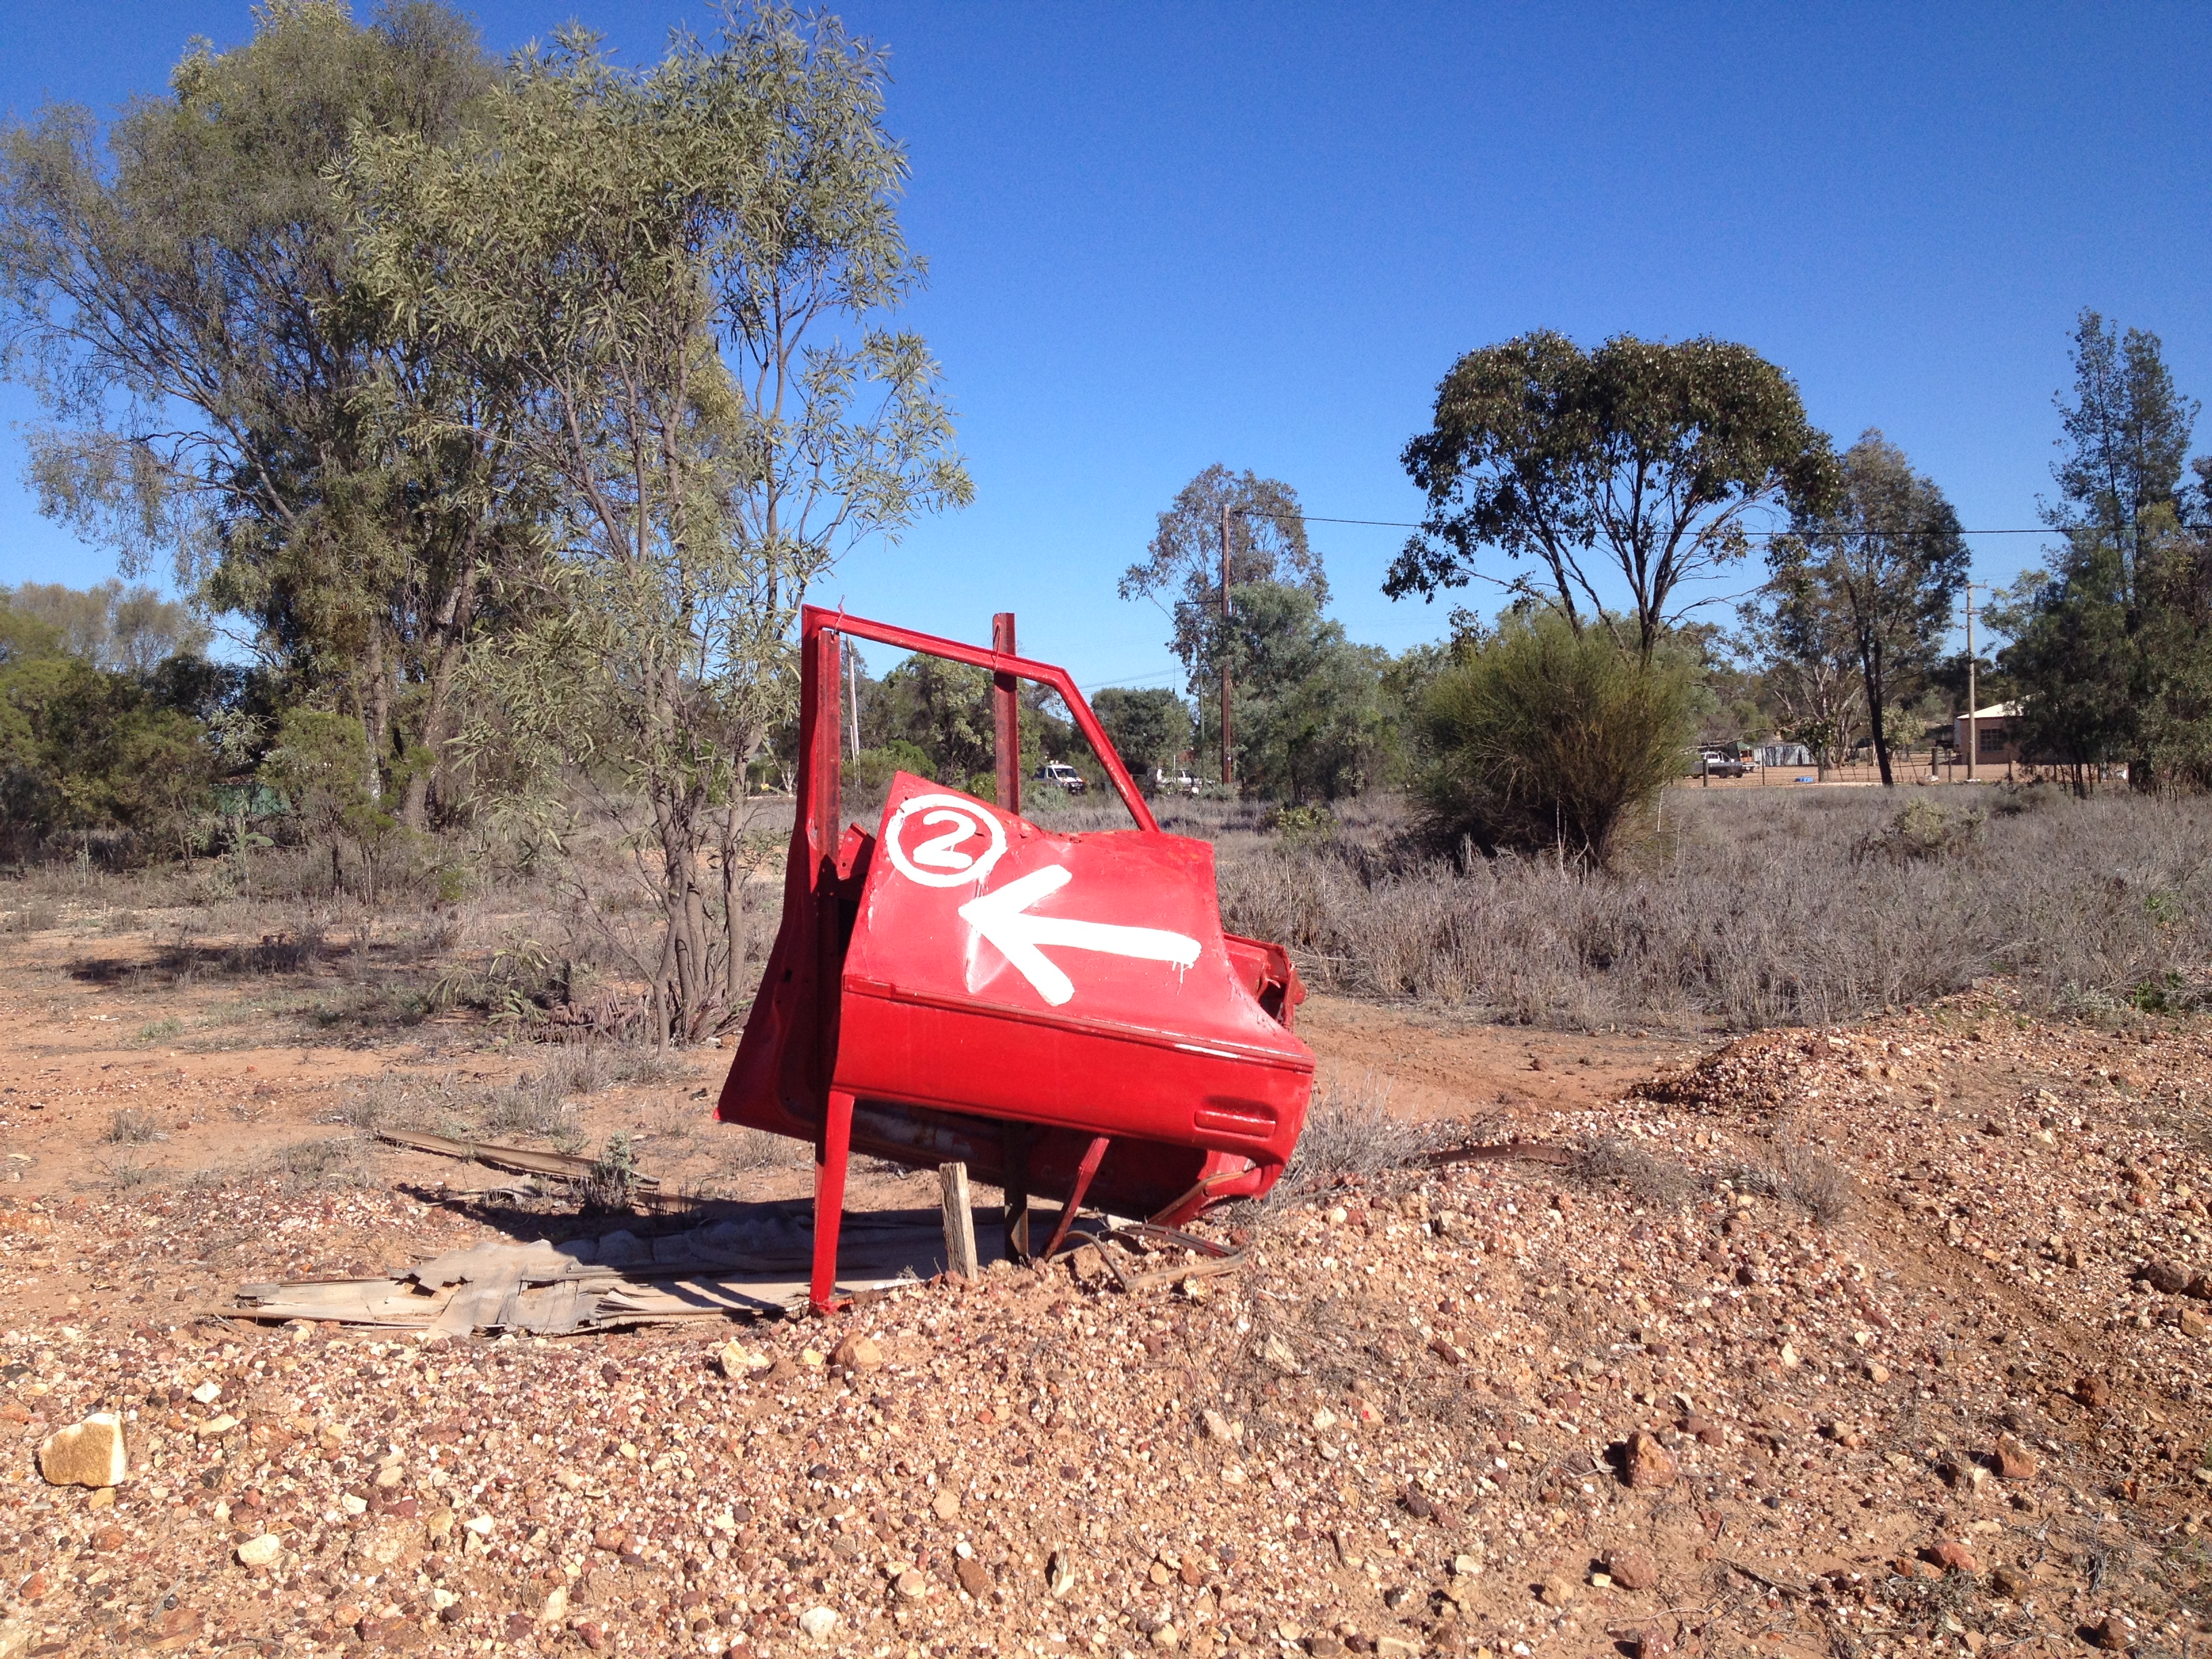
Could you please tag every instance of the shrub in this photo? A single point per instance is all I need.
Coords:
(1304, 826)
(1349, 1131)
(1923, 830)
(1548, 738)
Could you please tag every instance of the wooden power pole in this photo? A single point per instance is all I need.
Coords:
(1973, 726)
(1225, 646)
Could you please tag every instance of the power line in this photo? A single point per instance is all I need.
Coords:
(1749, 535)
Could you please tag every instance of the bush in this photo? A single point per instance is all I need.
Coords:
(1923, 830)
(1304, 826)
(1548, 738)
(1350, 1130)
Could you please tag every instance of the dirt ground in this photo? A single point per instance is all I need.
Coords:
(1869, 1340)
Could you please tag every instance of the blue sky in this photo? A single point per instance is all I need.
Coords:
(1164, 236)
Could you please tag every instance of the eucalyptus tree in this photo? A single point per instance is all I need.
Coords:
(1803, 650)
(1223, 532)
(1185, 558)
(1638, 460)
(180, 296)
(662, 264)
(1878, 568)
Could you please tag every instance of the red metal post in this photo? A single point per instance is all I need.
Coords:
(832, 1154)
(821, 776)
(820, 807)
(1093, 1154)
(1006, 716)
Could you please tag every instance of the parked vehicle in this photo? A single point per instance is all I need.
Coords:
(1719, 764)
(1180, 783)
(1061, 775)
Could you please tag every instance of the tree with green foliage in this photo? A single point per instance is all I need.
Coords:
(123, 630)
(1150, 727)
(95, 756)
(1547, 738)
(1803, 653)
(937, 720)
(1307, 717)
(655, 261)
(2112, 650)
(1638, 460)
(1877, 570)
(1267, 543)
(317, 764)
(324, 480)
(943, 711)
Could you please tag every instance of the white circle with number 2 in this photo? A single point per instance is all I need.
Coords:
(937, 860)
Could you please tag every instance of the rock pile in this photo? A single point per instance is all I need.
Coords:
(1653, 1398)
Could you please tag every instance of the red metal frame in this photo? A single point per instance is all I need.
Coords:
(851, 1043)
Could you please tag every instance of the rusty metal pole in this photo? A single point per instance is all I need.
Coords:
(1007, 717)
(1225, 750)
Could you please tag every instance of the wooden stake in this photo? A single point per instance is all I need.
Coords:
(959, 1220)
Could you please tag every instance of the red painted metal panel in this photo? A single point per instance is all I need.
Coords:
(963, 970)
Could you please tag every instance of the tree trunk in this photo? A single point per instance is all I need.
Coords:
(733, 911)
(447, 629)
(376, 714)
(685, 969)
(1872, 661)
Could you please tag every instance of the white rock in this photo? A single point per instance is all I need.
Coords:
(481, 1525)
(207, 1394)
(1278, 1355)
(818, 1623)
(556, 1607)
(736, 1359)
(86, 1454)
(260, 1551)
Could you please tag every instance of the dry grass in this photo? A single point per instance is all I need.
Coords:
(1797, 1171)
(1754, 909)
(1747, 909)
(1652, 1181)
(131, 1127)
(1350, 1130)
(330, 1161)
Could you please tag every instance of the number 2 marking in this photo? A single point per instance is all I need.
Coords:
(939, 851)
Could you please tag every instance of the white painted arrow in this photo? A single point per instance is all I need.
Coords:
(1003, 918)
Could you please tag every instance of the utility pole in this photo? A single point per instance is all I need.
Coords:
(1973, 726)
(1225, 778)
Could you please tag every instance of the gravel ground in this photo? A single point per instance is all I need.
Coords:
(1865, 1341)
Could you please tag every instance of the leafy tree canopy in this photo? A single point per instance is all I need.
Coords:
(1267, 543)
(1872, 576)
(1639, 458)
(1151, 726)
